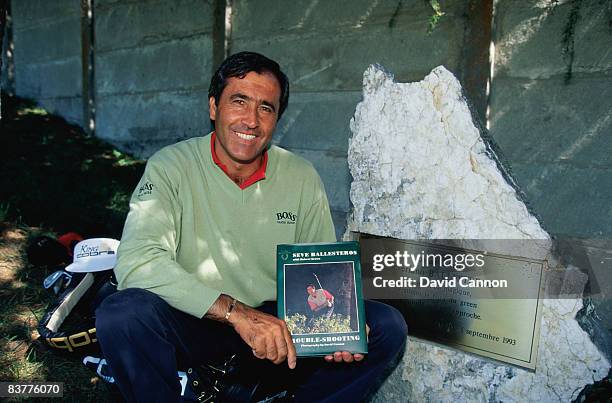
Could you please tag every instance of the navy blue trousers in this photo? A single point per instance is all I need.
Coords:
(144, 340)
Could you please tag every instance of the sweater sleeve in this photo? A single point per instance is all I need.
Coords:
(317, 224)
(147, 253)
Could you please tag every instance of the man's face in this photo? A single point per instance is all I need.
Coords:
(310, 290)
(245, 117)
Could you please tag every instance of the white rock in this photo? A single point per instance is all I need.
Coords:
(421, 170)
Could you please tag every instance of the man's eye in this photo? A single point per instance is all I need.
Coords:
(267, 109)
(239, 101)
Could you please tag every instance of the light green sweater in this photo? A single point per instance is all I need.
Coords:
(192, 233)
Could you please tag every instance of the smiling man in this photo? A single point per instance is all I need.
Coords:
(245, 116)
(196, 263)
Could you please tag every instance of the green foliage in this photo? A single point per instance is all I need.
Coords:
(299, 324)
(32, 111)
(58, 177)
(296, 323)
(124, 160)
(118, 201)
(437, 15)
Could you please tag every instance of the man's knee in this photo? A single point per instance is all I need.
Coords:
(387, 324)
(127, 308)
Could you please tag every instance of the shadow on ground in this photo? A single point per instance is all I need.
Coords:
(54, 178)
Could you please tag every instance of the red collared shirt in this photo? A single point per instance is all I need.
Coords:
(255, 176)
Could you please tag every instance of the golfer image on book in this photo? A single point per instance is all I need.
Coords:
(320, 301)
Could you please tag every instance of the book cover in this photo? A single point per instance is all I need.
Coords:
(320, 297)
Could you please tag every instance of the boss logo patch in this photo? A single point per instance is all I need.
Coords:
(145, 189)
(286, 217)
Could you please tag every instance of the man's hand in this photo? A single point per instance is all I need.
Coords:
(267, 335)
(345, 356)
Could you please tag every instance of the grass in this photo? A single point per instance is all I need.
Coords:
(54, 179)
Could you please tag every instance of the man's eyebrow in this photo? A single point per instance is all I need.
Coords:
(240, 95)
(248, 98)
(269, 104)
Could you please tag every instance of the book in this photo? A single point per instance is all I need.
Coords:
(320, 297)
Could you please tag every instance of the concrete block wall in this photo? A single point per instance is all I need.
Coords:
(47, 57)
(555, 132)
(153, 65)
(324, 47)
(153, 62)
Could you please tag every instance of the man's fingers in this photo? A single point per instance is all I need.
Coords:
(267, 336)
(271, 353)
(291, 355)
(344, 356)
(347, 357)
(259, 347)
(281, 348)
(259, 354)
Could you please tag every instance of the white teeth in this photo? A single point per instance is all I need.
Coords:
(245, 136)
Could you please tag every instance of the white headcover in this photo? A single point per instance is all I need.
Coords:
(96, 254)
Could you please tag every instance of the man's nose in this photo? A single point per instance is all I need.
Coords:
(251, 118)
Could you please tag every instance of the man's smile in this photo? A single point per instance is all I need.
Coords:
(245, 136)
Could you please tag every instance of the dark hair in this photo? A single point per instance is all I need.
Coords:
(311, 285)
(238, 65)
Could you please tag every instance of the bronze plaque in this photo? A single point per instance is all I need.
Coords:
(492, 308)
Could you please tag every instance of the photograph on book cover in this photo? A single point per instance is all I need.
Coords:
(320, 298)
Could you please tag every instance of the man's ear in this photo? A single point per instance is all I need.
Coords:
(212, 108)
